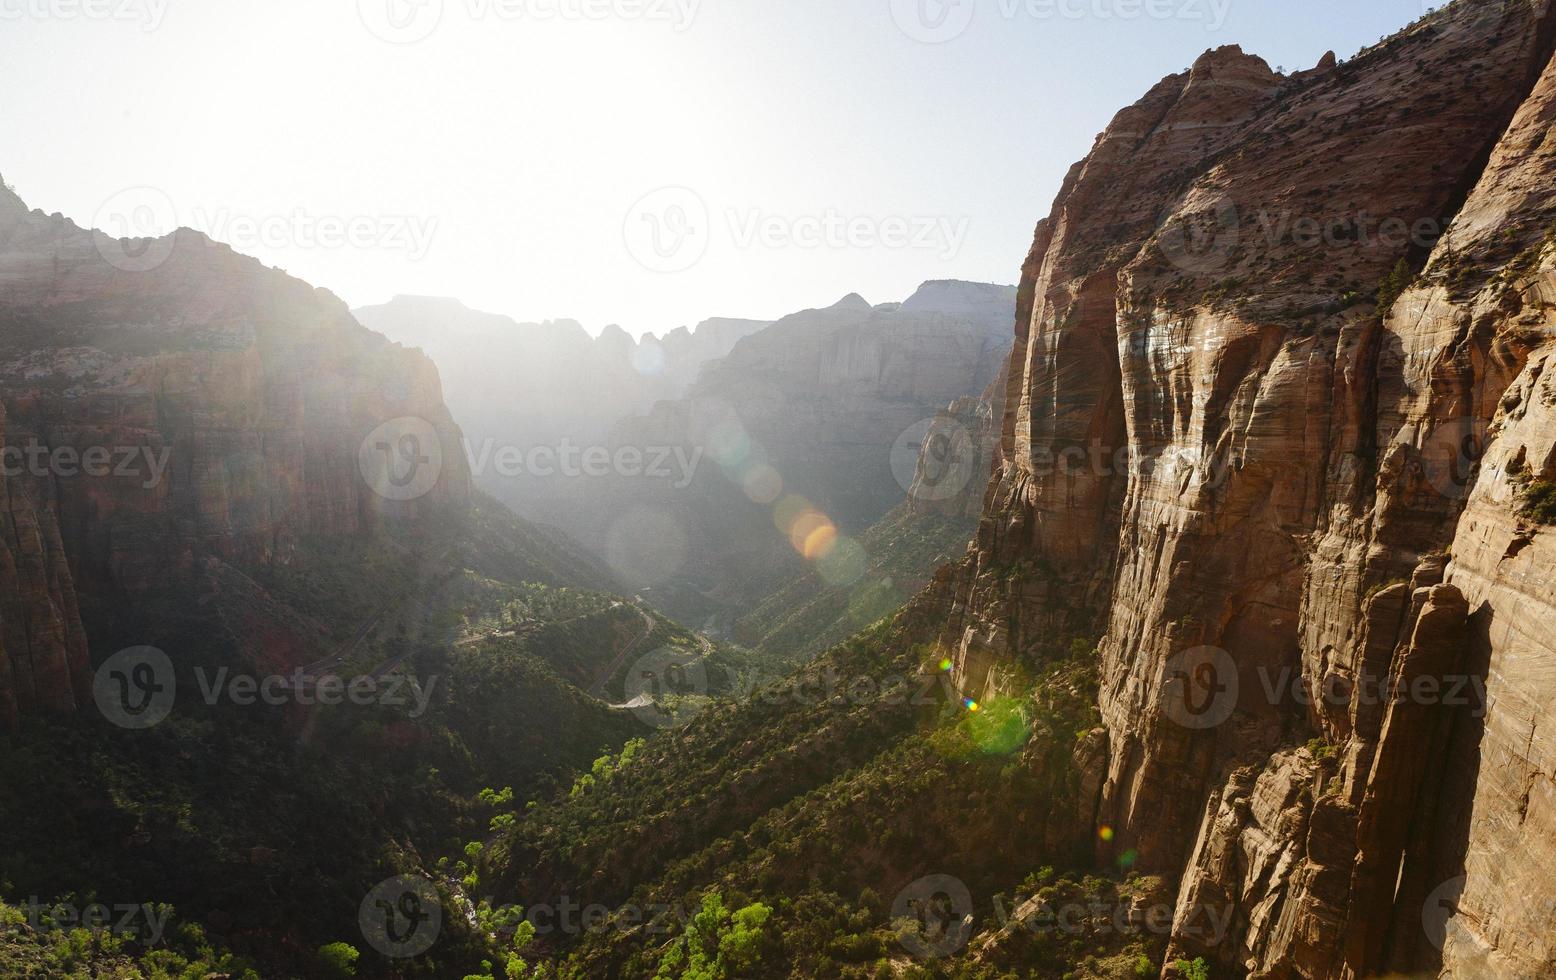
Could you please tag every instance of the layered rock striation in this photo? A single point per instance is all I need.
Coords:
(1277, 431)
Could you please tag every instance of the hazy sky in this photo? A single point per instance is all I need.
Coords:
(644, 162)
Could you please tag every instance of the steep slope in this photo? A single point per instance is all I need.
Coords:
(903, 549)
(170, 402)
(1279, 533)
(214, 462)
(1277, 440)
(816, 419)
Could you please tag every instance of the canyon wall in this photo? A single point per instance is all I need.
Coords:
(169, 403)
(823, 412)
(1276, 430)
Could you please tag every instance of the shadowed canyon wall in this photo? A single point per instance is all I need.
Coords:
(169, 404)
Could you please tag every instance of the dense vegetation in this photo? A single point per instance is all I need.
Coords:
(810, 614)
(798, 817)
(230, 812)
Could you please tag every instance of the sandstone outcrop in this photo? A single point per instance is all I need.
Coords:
(169, 401)
(1277, 426)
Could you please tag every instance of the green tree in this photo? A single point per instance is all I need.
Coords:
(339, 959)
(718, 944)
(1196, 969)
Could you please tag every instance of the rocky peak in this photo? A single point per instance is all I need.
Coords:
(11, 206)
(952, 296)
(613, 338)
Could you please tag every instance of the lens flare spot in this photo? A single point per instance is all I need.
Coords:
(729, 444)
(970, 704)
(945, 663)
(806, 524)
(821, 542)
(845, 564)
(762, 484)
(1106, 834)
(648, 358)
(788, 510)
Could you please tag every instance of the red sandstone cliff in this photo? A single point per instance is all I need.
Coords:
(232, 402)
(1271, 494)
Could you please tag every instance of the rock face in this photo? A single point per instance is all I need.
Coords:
(826, 392)
(822, 413)
(959, 450)
(169, 402)
(43, 650)
(1277, 421)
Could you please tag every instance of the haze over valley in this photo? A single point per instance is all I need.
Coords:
(1162, 591)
